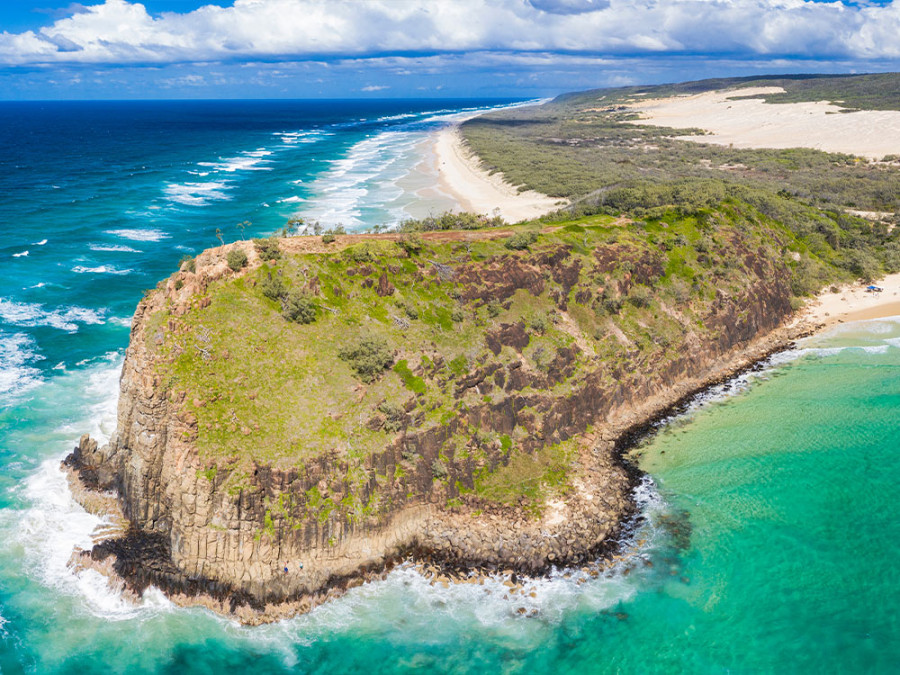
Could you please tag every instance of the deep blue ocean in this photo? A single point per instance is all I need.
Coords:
(768, 542)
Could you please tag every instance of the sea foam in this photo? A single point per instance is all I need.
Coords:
(54, 524)
(409, 599)
(302, 137)
(251, 160)
(139, 235)
(101, 269)
(17, 376)
(30, 314)
(113, 248)
(365, 179)
(197, 194)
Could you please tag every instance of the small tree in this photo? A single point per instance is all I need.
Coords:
(242, 226)
(369, 356)
(268, 249)
(236, 259)
(273, 286)
(521, 240)
(295, 223)
(298, 308)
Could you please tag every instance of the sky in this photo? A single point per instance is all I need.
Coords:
(424, 48)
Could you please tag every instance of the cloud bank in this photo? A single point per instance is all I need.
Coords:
(125, 33)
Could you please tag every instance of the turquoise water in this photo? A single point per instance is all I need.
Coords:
(769, 529)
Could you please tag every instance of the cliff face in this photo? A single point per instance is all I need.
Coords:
(462, 490)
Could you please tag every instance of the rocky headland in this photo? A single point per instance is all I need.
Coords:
(298, 417)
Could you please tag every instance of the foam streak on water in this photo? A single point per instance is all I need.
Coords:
(35, 314)
(17, 377)
(51, 526)
(363, 187)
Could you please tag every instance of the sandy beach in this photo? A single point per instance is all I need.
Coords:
(753, 123)
(852, 302)
(461, 177)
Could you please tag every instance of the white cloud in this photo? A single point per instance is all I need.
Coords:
(124, 32)
(375, 87)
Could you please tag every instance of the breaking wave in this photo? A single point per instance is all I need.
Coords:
(30, 314)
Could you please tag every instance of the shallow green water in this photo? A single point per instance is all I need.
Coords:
(770, 545)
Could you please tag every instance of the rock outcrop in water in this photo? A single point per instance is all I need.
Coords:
(490, 444)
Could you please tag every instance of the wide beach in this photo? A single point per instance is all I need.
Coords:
(461, 176)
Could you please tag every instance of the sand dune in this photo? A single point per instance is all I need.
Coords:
(753, 123)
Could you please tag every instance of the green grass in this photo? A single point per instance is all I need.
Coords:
(266, 391)
(532, 478)
(410, 381)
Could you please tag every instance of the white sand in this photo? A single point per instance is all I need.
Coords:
(755, 124)
(854, 303)
(461, 176)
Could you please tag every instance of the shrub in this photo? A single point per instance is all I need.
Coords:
(538, 324)
(457, 315)
(410, 310)
(640, 297)
(187, 264)
(273, 286)
(860, 264)
(331, 233)
(494, 309)
(268, 249)
(369, 356)
(411, 243)
(298, 308)
(521, 240)
(459, 365)
(451, 221)
(179, 284)
(611, 305)
(439, 470)
(236, 259)
(394, 416)
(358, 254)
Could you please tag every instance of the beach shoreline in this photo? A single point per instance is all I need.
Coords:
(460, 176)
(852, 302)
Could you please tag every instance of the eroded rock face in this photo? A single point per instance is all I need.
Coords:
(193, 535)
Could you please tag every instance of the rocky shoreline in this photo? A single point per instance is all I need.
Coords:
(138, 559)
